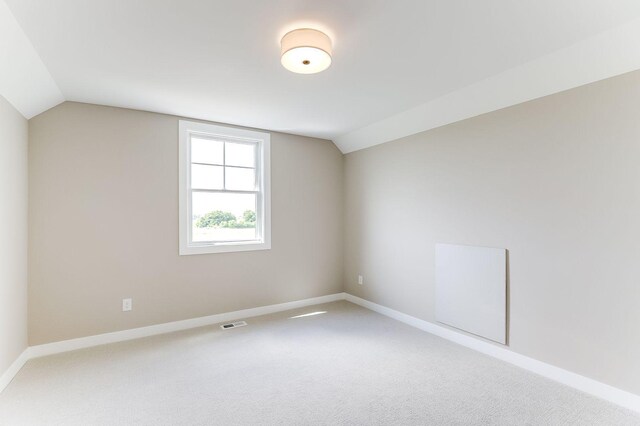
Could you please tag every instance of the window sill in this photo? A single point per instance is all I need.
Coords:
(224, 247)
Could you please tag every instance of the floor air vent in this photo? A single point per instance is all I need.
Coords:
(233, 325)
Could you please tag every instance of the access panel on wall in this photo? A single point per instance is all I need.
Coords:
(471, 289)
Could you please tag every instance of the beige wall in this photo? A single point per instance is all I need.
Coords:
(556, 181)
(104, 226)
(13, 234)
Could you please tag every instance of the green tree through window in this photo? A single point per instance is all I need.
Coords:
(222, 219)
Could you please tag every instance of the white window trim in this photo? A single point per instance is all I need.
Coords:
(185, 129)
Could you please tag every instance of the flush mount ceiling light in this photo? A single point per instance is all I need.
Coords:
(306, 51)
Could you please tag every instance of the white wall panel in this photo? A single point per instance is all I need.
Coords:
(471, 289)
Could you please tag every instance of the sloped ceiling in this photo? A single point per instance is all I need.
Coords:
(399, 67)
(24, 79)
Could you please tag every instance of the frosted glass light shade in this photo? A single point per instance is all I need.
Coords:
(306, 51)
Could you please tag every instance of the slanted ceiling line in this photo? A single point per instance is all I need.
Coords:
(610, 53)
(25, 81)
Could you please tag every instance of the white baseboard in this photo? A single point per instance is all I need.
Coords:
(136, 333)
(13, 369)
(152, 330)
(590, 386)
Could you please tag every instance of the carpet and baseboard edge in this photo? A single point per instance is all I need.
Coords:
(584, 384)
(13, 369)
(568, 378)
(152, 330)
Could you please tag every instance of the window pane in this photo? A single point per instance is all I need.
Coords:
(223, 217)
(206, 151)
(206, 177)
(240, 154)
(240, 179)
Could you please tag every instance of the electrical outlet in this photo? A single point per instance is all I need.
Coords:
(360, 280)
(127, 305)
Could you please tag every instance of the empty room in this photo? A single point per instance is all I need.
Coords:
(302, 212)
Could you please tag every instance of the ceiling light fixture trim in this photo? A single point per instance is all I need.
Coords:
(306, 51)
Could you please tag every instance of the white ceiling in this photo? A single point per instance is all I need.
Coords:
(24, 80)
(219, 60)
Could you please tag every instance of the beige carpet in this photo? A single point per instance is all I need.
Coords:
(346, 366)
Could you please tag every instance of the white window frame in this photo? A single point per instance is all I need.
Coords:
(263, 177)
